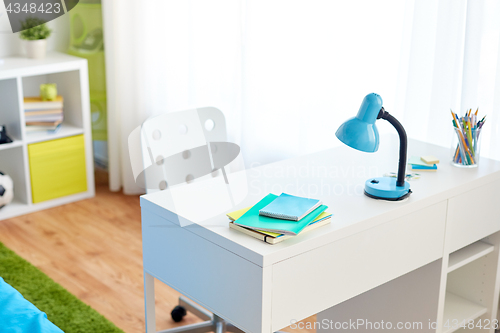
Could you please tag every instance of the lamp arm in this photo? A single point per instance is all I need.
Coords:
(403, 144)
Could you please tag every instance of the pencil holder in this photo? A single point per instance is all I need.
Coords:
(465, 147)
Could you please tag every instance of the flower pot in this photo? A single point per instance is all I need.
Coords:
(35, 49)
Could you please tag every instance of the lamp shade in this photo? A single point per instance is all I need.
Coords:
(360, 132)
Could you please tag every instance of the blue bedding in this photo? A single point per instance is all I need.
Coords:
(17, 315)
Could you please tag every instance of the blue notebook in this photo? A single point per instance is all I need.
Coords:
(290, 207)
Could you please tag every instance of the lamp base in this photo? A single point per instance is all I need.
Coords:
(384, 188)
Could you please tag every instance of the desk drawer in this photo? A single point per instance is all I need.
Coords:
(474, 215)
(316, 280)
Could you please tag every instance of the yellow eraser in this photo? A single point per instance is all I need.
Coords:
(429, 159)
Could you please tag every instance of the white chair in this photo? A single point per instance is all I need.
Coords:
(175, 147)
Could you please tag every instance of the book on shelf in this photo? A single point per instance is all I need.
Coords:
(48, 129)
(272, 237)
(43, 112)
(36, 103)
(44, 123)
(252, 220)
(44, 118)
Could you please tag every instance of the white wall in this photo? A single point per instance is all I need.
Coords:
(10, 43)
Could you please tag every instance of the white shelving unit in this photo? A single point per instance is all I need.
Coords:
(20, 77)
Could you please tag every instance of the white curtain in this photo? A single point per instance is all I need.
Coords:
(450, 60)
(286, 74)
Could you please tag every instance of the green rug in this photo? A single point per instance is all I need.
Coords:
(62, 308)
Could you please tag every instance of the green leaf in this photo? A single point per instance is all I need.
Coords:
(34, 29)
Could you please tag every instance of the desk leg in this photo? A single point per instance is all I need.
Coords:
(149, 302)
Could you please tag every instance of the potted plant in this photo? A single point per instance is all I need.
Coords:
(35, 33)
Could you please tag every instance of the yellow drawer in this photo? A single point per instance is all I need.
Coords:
(57, 168)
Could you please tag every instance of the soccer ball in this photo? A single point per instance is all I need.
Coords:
(6, 189)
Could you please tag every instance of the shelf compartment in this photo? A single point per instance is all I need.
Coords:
(66, 130)
(68, 86)
(460, 309)
(12, 164)
(468, 254)
(9, 108)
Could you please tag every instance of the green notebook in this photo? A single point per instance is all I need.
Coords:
(253, 220)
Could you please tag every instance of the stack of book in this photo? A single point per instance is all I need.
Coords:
(43, 115)
(424, 163)
(275, 219)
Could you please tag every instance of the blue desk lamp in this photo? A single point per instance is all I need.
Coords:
(361, 133)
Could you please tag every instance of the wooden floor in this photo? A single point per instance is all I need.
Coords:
(93, 249)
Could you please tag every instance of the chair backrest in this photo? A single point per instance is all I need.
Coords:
(174, 133)
(183, 154)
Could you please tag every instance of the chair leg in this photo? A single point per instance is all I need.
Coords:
(195, 309)
(219, 328)
(213, 322)
(219, 324)
(204, 327)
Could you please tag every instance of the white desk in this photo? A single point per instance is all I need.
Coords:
(260, 287)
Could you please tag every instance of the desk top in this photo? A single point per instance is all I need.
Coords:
(336, 176)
